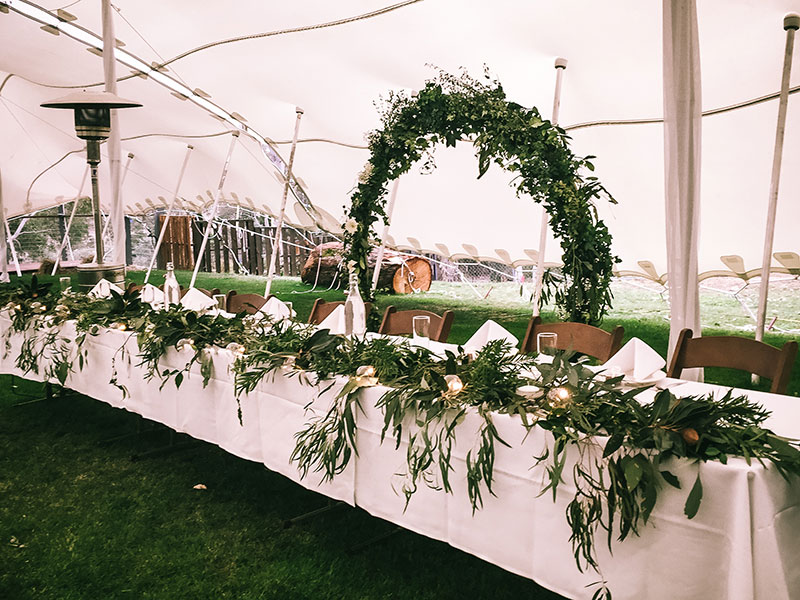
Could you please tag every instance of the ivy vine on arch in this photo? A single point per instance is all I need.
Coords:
(517, 139)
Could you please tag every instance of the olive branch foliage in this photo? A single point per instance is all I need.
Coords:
(450, 108)
(616, 451)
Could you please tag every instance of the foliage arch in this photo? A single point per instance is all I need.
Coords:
(519, 140)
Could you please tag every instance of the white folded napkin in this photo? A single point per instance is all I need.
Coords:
(334, 321)
(276, 309)
(489, 332)
(636, 360)
(151, 294)
(102, 289)
(197, 301)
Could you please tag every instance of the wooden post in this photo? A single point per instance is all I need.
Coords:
(128, 247)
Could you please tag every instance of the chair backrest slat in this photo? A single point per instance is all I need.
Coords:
(579, 337)
(734, 352)
(248, 303)
(323, 308)
(398, 322)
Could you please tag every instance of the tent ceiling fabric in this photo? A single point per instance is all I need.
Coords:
(336, 74)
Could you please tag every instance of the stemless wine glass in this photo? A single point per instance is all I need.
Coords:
(220, 300)
(547, 343)
(65, 283)
(420, 328)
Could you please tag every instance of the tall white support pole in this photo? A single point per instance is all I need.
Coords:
(376, 272)
(164, 227)
(791, 23)
(121, 183)
(116, 213)
(199, 260)
(11, 243)
(64, 241)
(276, 242)
(560, 66)
(4, 278)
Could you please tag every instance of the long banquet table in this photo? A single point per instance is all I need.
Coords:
(744, 542)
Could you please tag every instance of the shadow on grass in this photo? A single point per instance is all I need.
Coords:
(78, 519)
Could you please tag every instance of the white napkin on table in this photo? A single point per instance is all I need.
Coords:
(102, 289)
(636, 360)
(334, 321)
(197, 301)
(489, 332)
(276, 309)
(151, 294)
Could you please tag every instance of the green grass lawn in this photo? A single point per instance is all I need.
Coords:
(79, 519)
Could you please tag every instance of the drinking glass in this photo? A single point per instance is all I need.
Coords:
(65, 283)
(420, 328)
(547, 343)
(220, 300)
(289, 305)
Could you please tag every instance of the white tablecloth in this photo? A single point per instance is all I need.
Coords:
(743, 543)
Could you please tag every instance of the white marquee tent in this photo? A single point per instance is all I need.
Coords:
(337, 72)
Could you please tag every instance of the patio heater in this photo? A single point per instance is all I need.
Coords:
(93, 124)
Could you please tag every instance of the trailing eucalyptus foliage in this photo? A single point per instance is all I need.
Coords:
(616, 451)
(517, 139)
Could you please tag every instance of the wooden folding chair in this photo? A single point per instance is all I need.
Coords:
(248, 303)
(322, 308)
(579, 337)
(398, 322)
(734, 352)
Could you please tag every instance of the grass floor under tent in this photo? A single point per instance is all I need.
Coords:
(79, 519)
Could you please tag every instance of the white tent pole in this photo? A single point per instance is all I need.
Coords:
(116, 214)
(121, 183)
(11, 243)
(199, 260)
(276, 243)
(64, 241)
(163, 231)
(4, 278)
(791, 23)
(560, 66)
(376, 272)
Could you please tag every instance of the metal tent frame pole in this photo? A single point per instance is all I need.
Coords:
(65, 241)
(121, 183)
(116, 213)
(199, 260)
(11, 244)
(165, 225)
(276, 244)
(4, 278)
(379, 259)
(791, 23)
(560, 66)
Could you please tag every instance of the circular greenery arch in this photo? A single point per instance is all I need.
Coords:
(519, 140)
